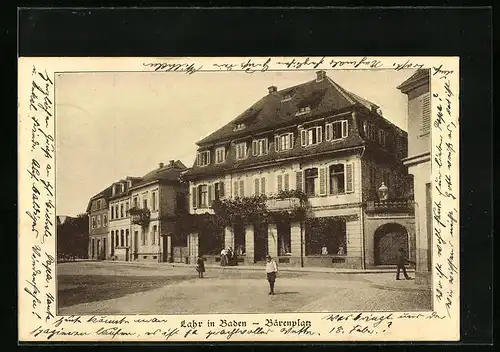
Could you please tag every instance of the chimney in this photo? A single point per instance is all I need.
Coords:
(172, 163)
(160, 165)
(272, 89)
(320, 75)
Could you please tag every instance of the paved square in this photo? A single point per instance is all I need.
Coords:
(122, 288)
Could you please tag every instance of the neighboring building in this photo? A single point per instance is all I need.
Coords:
(319, 139)
(119, 220)
(417, 88)
(154, 201)
(97, 209)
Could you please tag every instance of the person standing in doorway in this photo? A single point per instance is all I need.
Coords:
(402, 260)
(200, 266)
(271, 272)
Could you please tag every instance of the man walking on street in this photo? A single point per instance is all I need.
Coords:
(402, 260)
(271, 271)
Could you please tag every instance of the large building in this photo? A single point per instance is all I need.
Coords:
(142, 212)
(98, 209)
(323, 163)
(417, 88)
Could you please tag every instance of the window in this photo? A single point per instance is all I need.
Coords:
(303, 110)
(122, 214)
(220, 155)
(241, 151)
(105, 220)
(126, 237)
(382, 136)
(127, 208)
(373, 178)
(93, 222)
(311, 136)
(203, 158)
(283, 182)
(259, 147)
(143, 237)
(336, 130)
(426, 114)
(242, 188)
(239, 126)
(286, 97)
(145, 202)
(116, 212)
(122, 238)
(337, 179)
(218, 190)
(283, 142)
(136, 202)
(98, 221)
(341, 179)
(202, 196)
(153, 201)
(122, 186)
(153, 235)
(117, 238)
(260, 186)
(98, 204)
(369, 130)
(112, 212)
(311, 175)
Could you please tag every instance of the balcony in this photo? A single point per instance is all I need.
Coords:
(282, 204)
(140, 216)
(390, 206)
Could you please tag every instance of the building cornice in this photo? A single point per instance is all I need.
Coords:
(417, 159)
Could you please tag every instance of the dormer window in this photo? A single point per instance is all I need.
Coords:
(336, 130)
(241, 150)
(311, 136)
(382, 137)
(369, 130)
(283, 142)
(114, 190)
(239, 126)
(259, 146)
(303, 110)
(220, 155)
(203, 158)
(286, 97)
(122, 187)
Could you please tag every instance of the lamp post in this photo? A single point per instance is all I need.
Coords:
(383, 192)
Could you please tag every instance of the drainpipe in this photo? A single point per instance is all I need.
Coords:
(363, 263)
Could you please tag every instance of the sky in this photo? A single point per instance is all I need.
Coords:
(113, 125)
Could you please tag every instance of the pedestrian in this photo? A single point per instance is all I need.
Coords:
(402, 260)
(271, 271)
(223, 257)
(230, 256)
(200, 266)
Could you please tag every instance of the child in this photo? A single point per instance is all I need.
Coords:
(200, 266)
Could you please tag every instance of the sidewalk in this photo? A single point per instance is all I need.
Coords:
(384, 270)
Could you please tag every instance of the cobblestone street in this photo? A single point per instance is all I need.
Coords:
(119, 288)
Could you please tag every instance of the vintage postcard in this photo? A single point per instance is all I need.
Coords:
(239, 199)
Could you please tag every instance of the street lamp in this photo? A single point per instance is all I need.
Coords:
(383, 192)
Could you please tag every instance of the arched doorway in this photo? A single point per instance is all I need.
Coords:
(389, 238)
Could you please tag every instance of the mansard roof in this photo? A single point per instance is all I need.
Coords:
(105, 193)
(169, 172)
(274, 111)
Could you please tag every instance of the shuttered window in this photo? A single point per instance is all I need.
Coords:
(263, 185)
(426, 114)
(257, 186)
(298, 181)
(280, 183)
(349, 178)
(221, 189)
(322, 181)
(210, 195)
(235, 189)
(287, 182)
(242, 188)
(194, 196)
